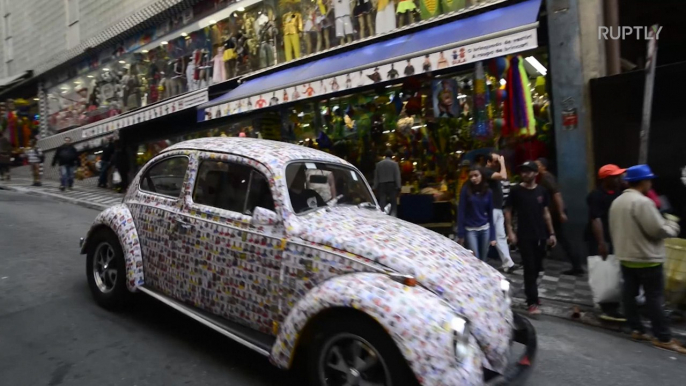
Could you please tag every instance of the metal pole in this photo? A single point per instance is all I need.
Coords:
(612, 46)
(648, 96)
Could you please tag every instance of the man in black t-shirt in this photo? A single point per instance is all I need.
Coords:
(494, 173)
(529, 202)
(559, 217)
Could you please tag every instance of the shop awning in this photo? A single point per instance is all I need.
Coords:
(10, 80)
(484, 36)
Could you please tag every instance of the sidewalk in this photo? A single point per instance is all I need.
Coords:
(94, 198)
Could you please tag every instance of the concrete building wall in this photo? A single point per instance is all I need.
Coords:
(39, 28)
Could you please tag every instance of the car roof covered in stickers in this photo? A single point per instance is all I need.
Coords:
(263, 150)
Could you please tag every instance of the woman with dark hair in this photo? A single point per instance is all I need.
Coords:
(475, 215)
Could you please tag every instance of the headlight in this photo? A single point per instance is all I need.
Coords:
(460, 330)
(505, 287)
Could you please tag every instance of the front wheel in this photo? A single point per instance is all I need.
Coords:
(356, 351)
(106, 270)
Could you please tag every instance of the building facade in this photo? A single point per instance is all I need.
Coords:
(156, 71)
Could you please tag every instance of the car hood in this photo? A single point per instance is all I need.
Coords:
(471, 287)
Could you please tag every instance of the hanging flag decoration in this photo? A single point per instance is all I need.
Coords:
(518, 112)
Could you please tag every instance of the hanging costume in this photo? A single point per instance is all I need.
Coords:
(344, 25)
(385, 16)
(292, 26)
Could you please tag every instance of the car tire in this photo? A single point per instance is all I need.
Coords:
(106, 271)
(330, 340)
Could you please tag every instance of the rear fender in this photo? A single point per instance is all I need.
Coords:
(417, 321)
(118, 219)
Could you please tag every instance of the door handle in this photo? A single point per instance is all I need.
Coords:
(182, 224)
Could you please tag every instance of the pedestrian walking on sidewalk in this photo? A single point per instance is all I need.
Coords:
(529, 202)
(559, 216)
(638, 232)
(67, 158)
(105, 163)
(598, 236)
(495, 174)
(35, 158)
(120, 160)
(5, 158)
(387, 182)
(475, 215)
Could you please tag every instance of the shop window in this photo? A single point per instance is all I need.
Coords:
(223, 185)
(165, 177)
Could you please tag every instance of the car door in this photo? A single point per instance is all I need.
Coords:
(233, 254)
(155, 207)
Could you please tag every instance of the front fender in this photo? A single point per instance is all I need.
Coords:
(118, 218)
(417, 321)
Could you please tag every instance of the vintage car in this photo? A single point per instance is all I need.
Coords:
(236, 234)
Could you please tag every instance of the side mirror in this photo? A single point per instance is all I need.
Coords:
(387, 209)
(262, 217)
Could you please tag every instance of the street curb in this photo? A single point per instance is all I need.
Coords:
(34, 192)
(581, 314)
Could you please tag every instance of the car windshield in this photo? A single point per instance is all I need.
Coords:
(313, 185)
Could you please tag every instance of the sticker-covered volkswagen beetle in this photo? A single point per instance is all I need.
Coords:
(285, 250)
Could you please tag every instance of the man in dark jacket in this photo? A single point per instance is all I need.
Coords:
(387, 182)
(67, 158)
(5, 158)
(106, 163)
(120, 160)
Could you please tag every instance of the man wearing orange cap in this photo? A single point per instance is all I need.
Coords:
(598, 230)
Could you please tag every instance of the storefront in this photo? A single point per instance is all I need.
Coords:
(220, 40)
(439, 101)
(19, 125)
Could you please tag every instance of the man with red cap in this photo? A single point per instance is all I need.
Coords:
(598, 229)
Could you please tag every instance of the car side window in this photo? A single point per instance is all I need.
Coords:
(231, 186)
(222, 185)
(165, 177)
(259, 194)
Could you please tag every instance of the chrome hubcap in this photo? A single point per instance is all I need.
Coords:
(104, 267)
(349, 360)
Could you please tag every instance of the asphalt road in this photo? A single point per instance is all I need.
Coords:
(52, 333)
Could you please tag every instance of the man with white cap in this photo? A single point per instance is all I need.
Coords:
(638, 232)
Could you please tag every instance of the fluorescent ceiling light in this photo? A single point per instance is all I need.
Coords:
(122, 62)
(144, 51)
(105, 69)
(537, 65)
(241, 9)
(164, 43)
(90, 76)
(184, 34)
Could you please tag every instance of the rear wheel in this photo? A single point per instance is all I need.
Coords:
(106, 270)
(358, 352)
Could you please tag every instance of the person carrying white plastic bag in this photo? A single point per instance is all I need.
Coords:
(600, 245)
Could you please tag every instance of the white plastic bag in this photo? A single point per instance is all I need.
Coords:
(605, 279)
(116, 177)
